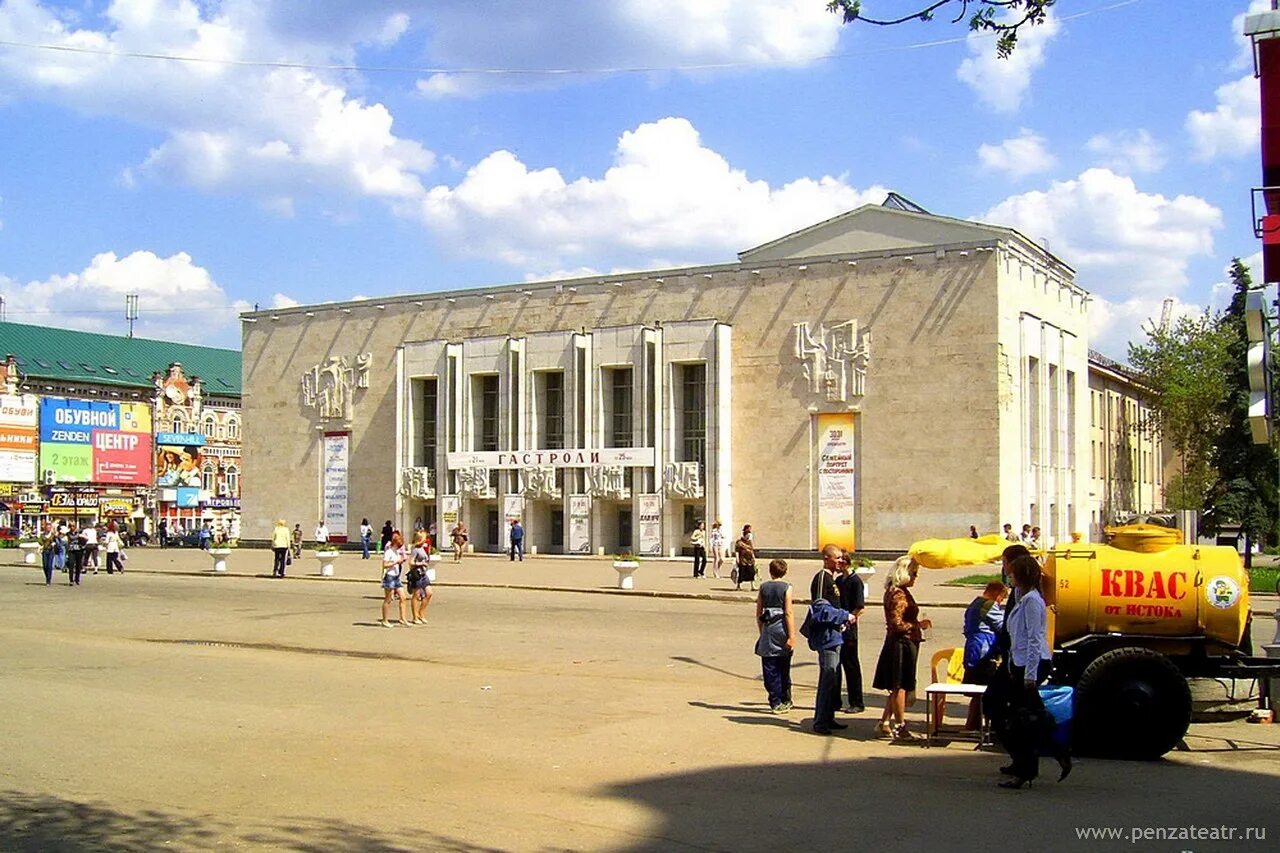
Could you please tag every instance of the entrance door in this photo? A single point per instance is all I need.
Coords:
(624, 529)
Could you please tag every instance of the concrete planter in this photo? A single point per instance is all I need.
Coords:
(625, 570)
(327, 559)
(219, 557)
(29, 551)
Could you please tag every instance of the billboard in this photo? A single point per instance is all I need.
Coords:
(95, 442)
(179, 459)
(18, 438)
(837, 480)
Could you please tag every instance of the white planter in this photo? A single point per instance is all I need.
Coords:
(29, 550)
(326, 559)
(219, 556)
(625, 570)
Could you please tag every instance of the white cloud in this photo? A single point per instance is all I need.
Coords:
(1127, 152)
(280, 300)
(177, 299)
(1122, 242)
(1022, 155)
(1232, 128)
(1002, 83)
(1244, 45)
(665, 195)
(620, 34)
(1114, 325)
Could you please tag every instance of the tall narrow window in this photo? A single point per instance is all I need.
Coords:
(208, 477)
(692, 415)
(430, 423)
(551, 429)
(1033, 409)
(487, 435)
(233, 481)
(233, 428)
(620, 413)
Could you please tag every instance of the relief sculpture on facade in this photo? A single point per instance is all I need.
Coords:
(538, 482)
(417, 483)
(607, 481)
(330, 388)
(682, 480)
(474, 483)
(834, 359)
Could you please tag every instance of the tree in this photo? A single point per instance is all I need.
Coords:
(1022, 13)
(1184, 365)
(1245, 491)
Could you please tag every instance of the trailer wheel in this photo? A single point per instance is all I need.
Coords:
(1131, 702)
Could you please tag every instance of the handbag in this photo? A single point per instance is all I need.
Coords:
(431, 575)
(806, 627)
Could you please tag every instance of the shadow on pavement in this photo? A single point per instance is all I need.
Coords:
(944, 800)
(31, 822)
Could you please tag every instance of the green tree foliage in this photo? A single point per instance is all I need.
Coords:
(1185, 365)
(1245, 490)
(980, 13)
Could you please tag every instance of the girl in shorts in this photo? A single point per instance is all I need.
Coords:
(393, 560)
(420, 581)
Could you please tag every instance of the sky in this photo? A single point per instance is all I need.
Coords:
(216, 155)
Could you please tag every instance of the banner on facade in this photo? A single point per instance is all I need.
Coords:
(178, 464)
(18, 434)
(579, 458)
(334, 483)
(651, 525)
(579, 524)
(73, 503)
(96, 442)
(512, 508)
(837, 479)
(448, 519)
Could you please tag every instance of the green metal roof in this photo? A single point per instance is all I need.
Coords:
(66, 355)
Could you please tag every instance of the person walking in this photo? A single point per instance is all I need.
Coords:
(698, 541)
(775, 618)
(48, 550)
(744, 551)
(517, 540)
(280, 542)
(458, 536)
(75, 557)
(322, 535)
(393, 560)
(896, 668)
(295, 542)
(89, 556)
(419, 578)
(853, 597)
(204, 536)
(366, 538)
(827, 639)
(112, 546)
(716, 541)
(387, 531)
(163, 533)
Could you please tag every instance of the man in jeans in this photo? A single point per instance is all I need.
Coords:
(827, 623)
(517, 540)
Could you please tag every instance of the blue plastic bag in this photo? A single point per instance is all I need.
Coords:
(1059, 701)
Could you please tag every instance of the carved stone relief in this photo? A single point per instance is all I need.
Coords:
(418, 483)
(682, 480)
(538, 482)
(474, 483)
(834, 359)
(607, 481)
(330, 387)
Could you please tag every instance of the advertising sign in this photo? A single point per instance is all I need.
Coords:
(337, 446)
(18, 437)
(448, 518)
(837, 480)
(651, 525)
(512, 507)
(187, 498)
(580, 458)
(67, 503)
(579, 524)
(178, 464)
(92, 441)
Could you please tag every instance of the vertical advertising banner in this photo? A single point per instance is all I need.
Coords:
(837, 480)
(337, 446)
(95, 442)
(448, 519)
(18, 438)
(512, 507)
(651, 525)
(579, 524)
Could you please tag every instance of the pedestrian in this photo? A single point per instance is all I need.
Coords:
(280, 542)
(112, 546)
(458, 536)
(776, 643)
(1009, 535)
(393, 560)
(744, 570)
(896, 668)
(698, 541)
(983, 622)
(89, 556)
(295, 541)
(75, 557)
(419, 578)
(835, 621)
(716, 542)
(387, 530)
(164, 533)
(1033, 540)
(322, 535)
(48, 551)
(853, 597)
(204, 536)
(1025, 536)
(366, 538)
(517, 540)
(973, 532)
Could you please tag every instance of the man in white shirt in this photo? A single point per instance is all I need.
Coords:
(322, 534)
(90, 535)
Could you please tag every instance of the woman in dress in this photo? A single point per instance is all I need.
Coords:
(716, 542)
(896, 668)
(393, 560)
(744, 551)
(419, 581)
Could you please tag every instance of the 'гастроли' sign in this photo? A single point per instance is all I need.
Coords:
(584, 457)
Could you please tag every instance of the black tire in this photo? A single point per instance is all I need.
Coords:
(1131, 703)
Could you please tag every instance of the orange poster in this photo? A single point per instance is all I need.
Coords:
(837, 479)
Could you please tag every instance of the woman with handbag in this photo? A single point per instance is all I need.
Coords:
(896, 668)
(420, 578)
(393, 560)
(744, 569)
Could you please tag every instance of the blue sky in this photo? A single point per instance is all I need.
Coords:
(1125, 134)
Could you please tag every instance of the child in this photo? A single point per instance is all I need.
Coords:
(983, 619)
(777, 625)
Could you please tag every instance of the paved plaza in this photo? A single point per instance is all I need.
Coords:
(171, 708)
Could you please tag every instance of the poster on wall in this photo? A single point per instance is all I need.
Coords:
(448, 519)
(18, 438)
(512, 507)
(579, 524)
(179, 458)
(651, 525)
(837, 480)
(95, 442)
(334, 483)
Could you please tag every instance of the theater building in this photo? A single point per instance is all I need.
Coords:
(882, 376)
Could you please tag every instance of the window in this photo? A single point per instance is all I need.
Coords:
(233, 427)
(209, 426)
(232, 480)
(177, 423)
(429, 423)
(618, 421)
(133, 373)
(46, 365)
(485, 397)
(88, 368)
(692, 416)
(64, 365)
(208, 476)
(1033, 409)
(110, 370)
(552, 426)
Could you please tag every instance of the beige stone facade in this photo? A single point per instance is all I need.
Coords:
(960, 349)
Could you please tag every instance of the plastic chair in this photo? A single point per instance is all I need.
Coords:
(944, 682)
